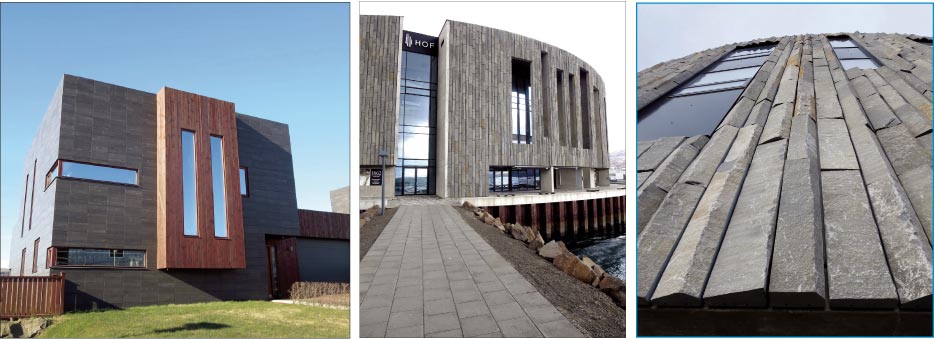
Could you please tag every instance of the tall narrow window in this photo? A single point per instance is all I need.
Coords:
(35, 256)
(850, 55)
(572, 123)
(217, 186)
(696, 107)
(598, 115)
(32, 192)
(189, 200)
(22, 263)
(519, 109)
(22, 228)
(544, 90)
(562, 119)
(415, 146)
(244, 189)
(585, 110)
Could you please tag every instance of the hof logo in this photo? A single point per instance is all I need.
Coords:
(420, 43)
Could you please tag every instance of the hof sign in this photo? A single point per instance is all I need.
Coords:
(376, 177)
(420, 43)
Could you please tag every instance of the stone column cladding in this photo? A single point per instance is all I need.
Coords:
(813, 192)
(474, 85)
(96, 122)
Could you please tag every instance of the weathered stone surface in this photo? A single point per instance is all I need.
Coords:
(878, 113)
(805, 93)
(797, 272)
(656, 242)
(918, 186)
(853, 113)
(919, 101)
(901, 148)
(518, 232)
(552, 249)
(665, 176)
(834, 144)
(702, 168)
(739, 276)
(759, 113)
(615, 288)
(565, 262)
(642, 146)
(641, 177)
(926, 141)
(683, 280)
(826, 97)
(803, 138)
(739, 112)
(858, 276)
(907, 247)
(649, 198)
(661, 149)
(778, 123)
(908, 114)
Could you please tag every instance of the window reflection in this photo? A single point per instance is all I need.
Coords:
(851, 55)
(217, 186)
(520, 102)
(189, 207)
(244, 191)
(502, 179)
(100, 257)
(98, 173)
(415, 146)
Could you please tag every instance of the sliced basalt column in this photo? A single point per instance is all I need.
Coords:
(740, 273)
(661, 148)
(660, 235)
(642, 146)
(797, 270)
(684, 277)
(912, 164)
(915, 122)
(919, 101)
(878, 113)
(780, 116)
(858, 276)
(834, 145)
(641, 177)
(826, 97)
(665, 176)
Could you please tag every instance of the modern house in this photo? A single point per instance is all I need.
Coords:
(476, 112)
(171, 197)
(787, 182)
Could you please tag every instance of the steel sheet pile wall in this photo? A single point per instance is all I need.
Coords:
(570, 220)
(813, 192)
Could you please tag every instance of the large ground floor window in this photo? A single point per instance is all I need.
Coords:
(504, 179)
(417, 180)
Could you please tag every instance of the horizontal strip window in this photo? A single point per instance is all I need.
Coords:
(515, 179)
(725, 76)
(842, 42)
(750, 51)
(710, 88)
(91, 172)
(851, 55)
(105, 258)
(740, 63)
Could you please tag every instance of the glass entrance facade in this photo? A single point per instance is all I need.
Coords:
(415, 146)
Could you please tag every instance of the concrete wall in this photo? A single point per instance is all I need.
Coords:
(322, 260)
(113, 125)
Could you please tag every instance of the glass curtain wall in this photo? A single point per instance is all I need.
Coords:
(415, 146)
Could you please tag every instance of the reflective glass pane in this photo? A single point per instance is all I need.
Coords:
(416, 110)
(399, 181)
(98, 173)
(415, 145)
(722, 76)
(751, 51)
(189, 202)
(243, 182)
(409, 181)
(850, 53)
(100, 258)
(422, 181)
(739, 63)
(705, 88)
(685, 116)
(842, 43)
(418, 67)
(217, 185)
(859, 63)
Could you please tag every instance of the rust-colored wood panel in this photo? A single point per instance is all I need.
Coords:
(287, 264)
(323, 224)
(177, 110)
(28, 296)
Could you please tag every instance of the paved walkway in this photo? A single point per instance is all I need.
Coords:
(431, 275)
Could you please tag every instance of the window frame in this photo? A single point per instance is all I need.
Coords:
(194, 160)
(244, 173)
(55, 251)
(35, 255)
(856, 46)
(522, 122)
(215, 182)
(60, 162)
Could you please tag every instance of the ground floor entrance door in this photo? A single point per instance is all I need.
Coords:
(414, 181)
(282, 265)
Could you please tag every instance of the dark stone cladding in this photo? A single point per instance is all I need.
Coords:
(113, 125)
(831, 203)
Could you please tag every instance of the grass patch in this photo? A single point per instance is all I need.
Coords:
(247, 319)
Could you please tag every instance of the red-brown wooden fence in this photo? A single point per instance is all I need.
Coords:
(25, 296)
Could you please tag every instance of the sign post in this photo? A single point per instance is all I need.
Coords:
(382, 182)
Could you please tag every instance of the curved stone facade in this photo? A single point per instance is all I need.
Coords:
(473, 107)
(813, 191)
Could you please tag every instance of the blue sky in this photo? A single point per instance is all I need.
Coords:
(284, 62)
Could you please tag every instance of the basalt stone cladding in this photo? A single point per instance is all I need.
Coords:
(96, 122)
(815, 191)
(474, 83)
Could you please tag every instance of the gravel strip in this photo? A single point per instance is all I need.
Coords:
(593, 312)
(371, 231)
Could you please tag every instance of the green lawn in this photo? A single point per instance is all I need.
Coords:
(249, 319)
